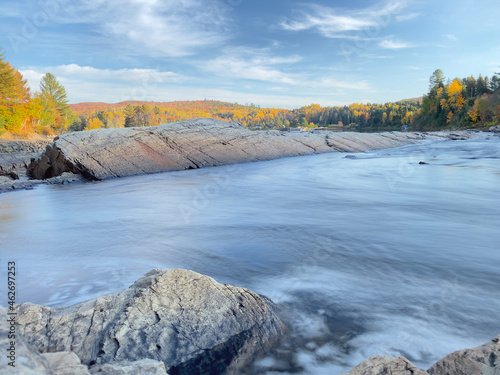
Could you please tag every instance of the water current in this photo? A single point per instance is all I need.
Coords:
(369, 254)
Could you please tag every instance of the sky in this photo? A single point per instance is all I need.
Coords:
(273, 53)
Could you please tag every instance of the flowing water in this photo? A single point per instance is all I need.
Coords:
(370, 254)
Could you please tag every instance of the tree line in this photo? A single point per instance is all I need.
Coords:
(23, 113)
(454, 104)
(460, 103)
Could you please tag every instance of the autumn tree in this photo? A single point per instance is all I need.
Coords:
(94, 123)
(16, 110)
(54, 101)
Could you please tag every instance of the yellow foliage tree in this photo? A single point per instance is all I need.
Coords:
(449, 117)
(455, 88)
(94, 123)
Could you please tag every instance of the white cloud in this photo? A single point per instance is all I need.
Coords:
(451, 37)
(391, 44)
(161, 28)
(406, 17)
(84, 82)
(253, 64)
(337, 23)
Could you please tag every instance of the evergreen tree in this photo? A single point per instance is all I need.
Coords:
(437, 79)
(52, 90)
(495, 84)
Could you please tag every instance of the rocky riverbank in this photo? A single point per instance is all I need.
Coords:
(15, 156)
(107, 153)
(179, 322)
(191, 144)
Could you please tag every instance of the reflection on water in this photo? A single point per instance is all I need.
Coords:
(372, 255)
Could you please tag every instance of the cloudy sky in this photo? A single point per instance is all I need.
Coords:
(281, 53)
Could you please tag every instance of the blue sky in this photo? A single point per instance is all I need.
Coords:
(273, 53)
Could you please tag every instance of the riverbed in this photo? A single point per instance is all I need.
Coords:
(391, 252)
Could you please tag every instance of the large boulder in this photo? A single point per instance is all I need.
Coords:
(106, 153)
(65, 363)
(17, 355)
(379, 365)
(142, 367)
(481, 360)
(186, 320)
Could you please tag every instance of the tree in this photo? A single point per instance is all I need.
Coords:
(55, 101)
(437, 79)
(130, 112)
(482, 86)
(495, 84)
(470, 87)
(94, 123)
(12, 85)
(50, 87)
(16, 111)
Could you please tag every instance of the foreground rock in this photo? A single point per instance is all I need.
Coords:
(65, 363)
(186, 320)
(15, 156)
(481, 360)
(26, 358)
(142, 367)
(386, 366)
(106, 153)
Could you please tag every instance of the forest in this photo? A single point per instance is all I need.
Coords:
(468, 103)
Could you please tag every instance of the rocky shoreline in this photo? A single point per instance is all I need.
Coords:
(191, 144)
(178, 322)
(16, 156)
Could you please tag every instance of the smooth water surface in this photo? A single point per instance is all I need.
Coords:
(370, 255)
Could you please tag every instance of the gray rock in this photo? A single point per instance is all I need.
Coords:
(142, 367)
(378, 365)
(186, 320)
(65, 363)
(26, 358)
(481, 360)
(495, 129)
(106, 153)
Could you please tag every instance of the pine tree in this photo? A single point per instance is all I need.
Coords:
(52, 90)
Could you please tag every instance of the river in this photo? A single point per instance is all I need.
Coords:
(369, 254)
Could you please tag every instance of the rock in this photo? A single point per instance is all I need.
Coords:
(350, 157)
(481, 360)
(495, 129)
(378, 365)
(422, 163)
(65, 363)
(186, 320)
(28, 360)
(106, 153)
(13, 175)
(142, 367)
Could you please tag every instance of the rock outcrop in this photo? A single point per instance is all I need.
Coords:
(15, 156)
(65, 363)
(106, 153)
(481, 360)
(142, 367)
(494, 129)
(186, 320)
(378, 365)
(26, 358)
